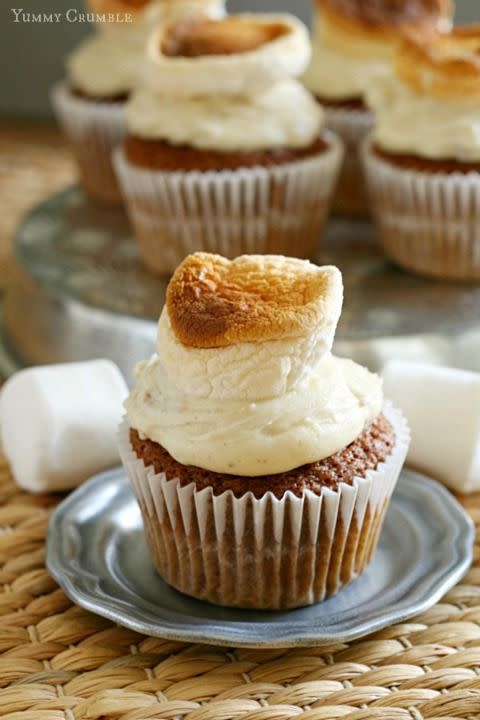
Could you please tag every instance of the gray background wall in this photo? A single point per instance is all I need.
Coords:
(31, 55)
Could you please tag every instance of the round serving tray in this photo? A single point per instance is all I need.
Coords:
(97, 552)
(81, 291)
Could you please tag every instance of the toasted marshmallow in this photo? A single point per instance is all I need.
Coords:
(429, 105)
(247, 329)
(58, 423)
(242, 54)
(353, 41)
(244, 381)
(382, 21)
(444, 66)
(214, 302)
(126, 9)
(171, 9)
(110, 62)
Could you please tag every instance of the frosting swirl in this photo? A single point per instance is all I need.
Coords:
(255, 407)
(285, 115)
(313, 420)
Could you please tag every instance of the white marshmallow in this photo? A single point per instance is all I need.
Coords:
(375, 354)
(442, 406)
(465, 352)
(244, 73)
(58, 423)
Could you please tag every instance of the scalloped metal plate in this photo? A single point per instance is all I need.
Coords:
(96, 551)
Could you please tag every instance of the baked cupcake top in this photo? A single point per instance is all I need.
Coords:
(429, 105)
(353, 40)
(244, 381)
(227, 85)
(109, 62)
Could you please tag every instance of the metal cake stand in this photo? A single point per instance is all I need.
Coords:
(80, 291)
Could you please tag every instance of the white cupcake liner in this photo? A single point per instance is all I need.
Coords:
(279, 209)
(263, 553)
(353, 126)
(94, 130)
(426, 222)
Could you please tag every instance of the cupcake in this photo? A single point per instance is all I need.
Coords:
(423, 160)
(352, 43)
(102, 72)
(225, 148)
(263, 464)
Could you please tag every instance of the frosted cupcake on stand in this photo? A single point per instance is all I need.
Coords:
(423, 160)
(226, 150)
(353, 41)
(262, 463)
(101, 74)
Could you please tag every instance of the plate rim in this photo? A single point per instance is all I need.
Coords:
(463, 546)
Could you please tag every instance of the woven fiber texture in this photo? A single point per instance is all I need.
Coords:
(58, 662)
(34, 163)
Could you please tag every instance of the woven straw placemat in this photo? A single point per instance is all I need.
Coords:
(59, 662)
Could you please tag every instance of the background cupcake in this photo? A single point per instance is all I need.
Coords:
(226, 150)
(353, 42)
(102, 72)
(423, 162)
(263, 465)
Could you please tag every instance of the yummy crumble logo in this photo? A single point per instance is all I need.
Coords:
(72, 15)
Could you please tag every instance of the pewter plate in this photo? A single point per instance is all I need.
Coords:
(97, 553)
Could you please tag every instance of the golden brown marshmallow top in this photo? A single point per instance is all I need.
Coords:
(383, 15)
(200, 37)
(445, 66)
(215, 302)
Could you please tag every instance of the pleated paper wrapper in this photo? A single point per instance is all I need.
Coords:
(94, 130)
(267, 210)
(263, 553)
(427, 222)
(353, 126)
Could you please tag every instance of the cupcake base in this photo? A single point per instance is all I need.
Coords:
(427, 213)
(263, 553)
(352, 121)
(94, 129)
(279, 208)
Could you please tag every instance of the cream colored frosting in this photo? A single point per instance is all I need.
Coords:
(252, 408)
(243, 73)
(110, 61)
(341, 69)
(413, 123)
(285, 115)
